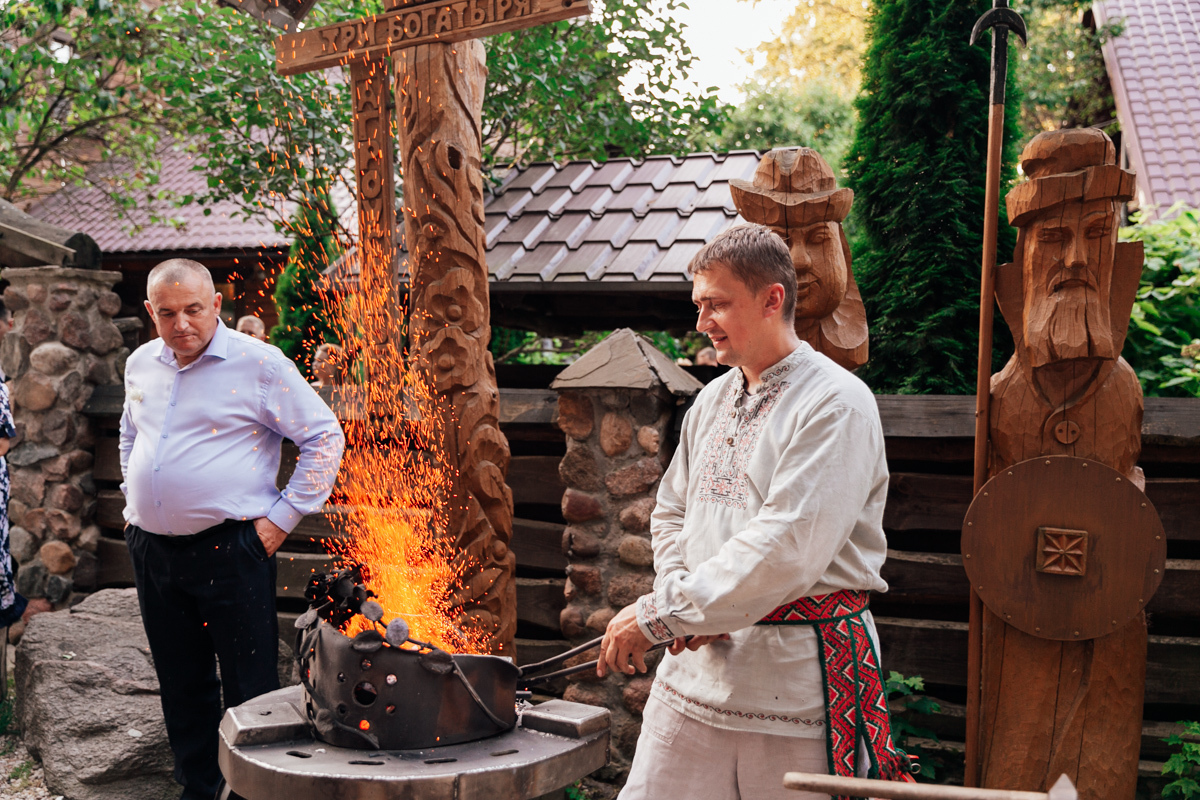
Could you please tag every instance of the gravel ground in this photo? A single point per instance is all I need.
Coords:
(20, 776)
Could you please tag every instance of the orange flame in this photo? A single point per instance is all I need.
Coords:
(397, 487)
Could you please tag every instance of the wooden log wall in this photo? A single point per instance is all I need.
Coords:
(922, 620)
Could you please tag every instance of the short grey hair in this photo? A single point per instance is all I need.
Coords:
(252, 322)
(176, 270)
(756, 255)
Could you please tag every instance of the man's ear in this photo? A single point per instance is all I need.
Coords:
(774, 300)
(149, 308)
(217, 302)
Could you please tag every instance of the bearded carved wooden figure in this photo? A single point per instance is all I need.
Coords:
(795, 194)
(439, 97)
(1050, 707)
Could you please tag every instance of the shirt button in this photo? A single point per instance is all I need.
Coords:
(158, 502)
(164, 436)
(729, 441)
(172, 402)
(156, 469)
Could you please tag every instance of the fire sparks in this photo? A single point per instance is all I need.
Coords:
(398, 489)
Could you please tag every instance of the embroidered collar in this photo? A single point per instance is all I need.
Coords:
(773, 374)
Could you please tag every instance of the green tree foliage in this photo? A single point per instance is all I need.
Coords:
(917, 167)
(1163, 344)
(821, 40)
(303, 321)
(812, 114)
(1063, 80)
(80, 85)
(1183, 766)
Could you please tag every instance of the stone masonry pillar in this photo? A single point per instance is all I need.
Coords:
(62, 345)
(617, 406)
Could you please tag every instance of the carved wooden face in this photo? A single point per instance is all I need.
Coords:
(1067, 273)
(821, 275)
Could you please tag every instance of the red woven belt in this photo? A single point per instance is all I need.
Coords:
(855, 700)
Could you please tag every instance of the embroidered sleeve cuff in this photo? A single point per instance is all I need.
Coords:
(283, 515)
(653, 626)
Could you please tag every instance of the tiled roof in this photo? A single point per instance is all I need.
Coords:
(1154, 66)
(623, 220)
(90, 210)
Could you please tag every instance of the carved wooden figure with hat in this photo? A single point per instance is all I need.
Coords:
(1060, 544)
(794, 193)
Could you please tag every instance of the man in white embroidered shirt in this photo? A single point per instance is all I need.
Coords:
(206, 410)
(767, 540)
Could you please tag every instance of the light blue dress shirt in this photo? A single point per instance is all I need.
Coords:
(201, 444)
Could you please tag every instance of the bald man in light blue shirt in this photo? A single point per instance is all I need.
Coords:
(206, 411)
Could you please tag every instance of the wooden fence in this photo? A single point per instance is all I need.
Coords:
(922, 620)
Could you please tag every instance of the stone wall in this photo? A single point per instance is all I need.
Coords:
(619, 442)
(63, 344)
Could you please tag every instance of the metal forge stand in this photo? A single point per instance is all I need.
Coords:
(267, 752)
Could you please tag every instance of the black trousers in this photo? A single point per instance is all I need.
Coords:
(206, 596)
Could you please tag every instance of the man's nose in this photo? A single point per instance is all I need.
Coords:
(703, 320)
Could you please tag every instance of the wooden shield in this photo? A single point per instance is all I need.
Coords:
(1063, 548)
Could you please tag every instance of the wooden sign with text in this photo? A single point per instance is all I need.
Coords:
(412, 25)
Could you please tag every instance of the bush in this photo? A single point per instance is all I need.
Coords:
(1163, 342)
(1184, 766)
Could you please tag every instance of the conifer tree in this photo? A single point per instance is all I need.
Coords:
(303, 320)
(917, 167)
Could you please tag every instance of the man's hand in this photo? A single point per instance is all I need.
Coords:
(623, 640)
(695, 643)
(270, 534)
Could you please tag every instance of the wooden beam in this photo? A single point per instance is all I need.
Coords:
(107, 466)
(937, 651)
(538, 544)
(415, 24)
(113, 566)
(539, 601)
(528, 407)
(535, 479)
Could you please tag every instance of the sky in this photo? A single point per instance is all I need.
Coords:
(717, 30)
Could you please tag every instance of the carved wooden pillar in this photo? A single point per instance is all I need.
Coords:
(439, 99)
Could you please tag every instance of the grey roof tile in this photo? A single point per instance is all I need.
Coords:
(1154, 67)
(703, 225)
(677, 197)
(633, 259)
(525, 231)
(511, 202)
(544, 257)
(717, 196)
(569, 229)
(573, 176)
(696, 169)
(659, 227)
(592, 198)
(550, 200)
(614, 174)
(493, 224)
(632, 198)
(587, 258)
(656, 171)
(614, 227)
(737, 165)
(533, 177)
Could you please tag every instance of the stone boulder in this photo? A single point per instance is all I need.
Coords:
(87, 702)
(88, 705)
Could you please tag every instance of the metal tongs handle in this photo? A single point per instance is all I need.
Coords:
(528, 669)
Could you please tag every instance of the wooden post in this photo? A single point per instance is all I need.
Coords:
(439, 88)
(439, 102)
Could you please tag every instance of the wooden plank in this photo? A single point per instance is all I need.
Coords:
(1177, 501)
(295, 569)
(1174, 420)
(928, 416)
(937, 651)
(538, 544)
(439, 21)
(325, 525)
(535, 479)
(107, 466)
(531, 651)
(915, 448)
(539, 601)
(924, 501)
(113, 567)
(528, 407)
(925, 578)
(106, 401)
(938, 578)
(110, 508)
(918, 501)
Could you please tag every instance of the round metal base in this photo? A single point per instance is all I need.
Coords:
(266, 753)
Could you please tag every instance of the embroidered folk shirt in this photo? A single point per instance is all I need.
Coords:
(770, 497)
(201, 444)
